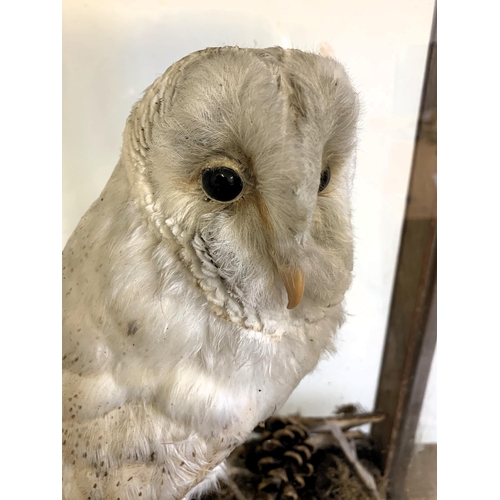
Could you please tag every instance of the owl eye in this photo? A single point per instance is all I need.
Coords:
(324, 180)
(221, 183)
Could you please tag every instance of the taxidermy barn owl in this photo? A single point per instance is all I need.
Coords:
(208, 277)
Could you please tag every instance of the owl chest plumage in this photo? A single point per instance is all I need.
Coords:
(157, 388)
(208, 278)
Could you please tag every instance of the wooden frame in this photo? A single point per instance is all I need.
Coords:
(411, 333)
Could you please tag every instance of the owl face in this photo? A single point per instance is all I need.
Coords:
(241, 158)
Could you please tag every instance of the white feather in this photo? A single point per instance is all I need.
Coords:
(176, 336)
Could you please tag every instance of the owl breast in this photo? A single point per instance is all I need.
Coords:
(206, 281)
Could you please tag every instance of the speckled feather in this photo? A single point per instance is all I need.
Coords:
(177, 339)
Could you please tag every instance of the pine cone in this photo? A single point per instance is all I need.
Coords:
(282, 459)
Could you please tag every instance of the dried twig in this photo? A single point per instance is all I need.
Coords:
(355, 435)
(323, 441)
(345, 422)
(351, 455)
(322, 424)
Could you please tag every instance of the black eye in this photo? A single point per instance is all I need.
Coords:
(221, 183)
(324, 180)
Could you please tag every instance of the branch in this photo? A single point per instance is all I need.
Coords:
(344, 422)
(350, 453)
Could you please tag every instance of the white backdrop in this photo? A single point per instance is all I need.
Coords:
(114, 49)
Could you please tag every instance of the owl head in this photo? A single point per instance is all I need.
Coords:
(241, 162)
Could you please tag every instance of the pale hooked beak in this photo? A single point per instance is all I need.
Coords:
(293, 279)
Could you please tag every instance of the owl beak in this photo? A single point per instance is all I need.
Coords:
(293, 279)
